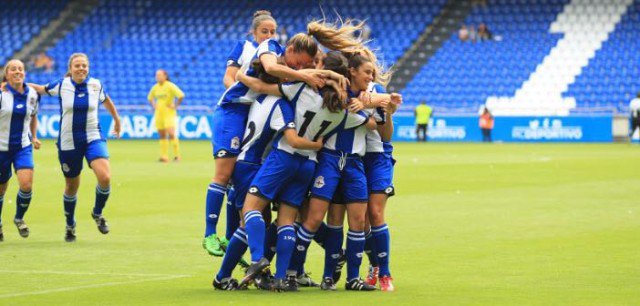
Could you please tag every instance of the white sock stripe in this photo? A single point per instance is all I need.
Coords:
(304, 239)
(357, 234)
(24, 195)
(70, 198)
(334, 226)
(103, 191)
(218, 188)
(251, 213)
(355, 238)
(241, 236)
(243, 239)
(306, 234)
(377, 230)
(247, 218)
(285, 228)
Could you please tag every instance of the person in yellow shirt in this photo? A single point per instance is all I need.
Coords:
(165, 97)
(423, 114)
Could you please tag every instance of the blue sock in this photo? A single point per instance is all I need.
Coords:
(382, 247)
(254, 225)
(236, 248)
(1, 202)
(286, 243)
(321, 234)
(233, 216)
(102, 195)
(215, 197)
(355, 248)
(270, 241)
(23, 199)
(303, 240)
(332, 249)
(370, 248)
(70, 209)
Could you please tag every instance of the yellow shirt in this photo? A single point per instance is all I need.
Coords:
(165, 95)
(423, 113)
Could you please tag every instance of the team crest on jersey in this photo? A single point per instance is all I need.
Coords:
(301, 248)
(65, 167)
(235, 143)
(382, 255)
(94, 87)
(19, 106)
(319, 183)
(222, 153)
(359, 255)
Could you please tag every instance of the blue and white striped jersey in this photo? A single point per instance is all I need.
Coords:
(266, 119)
(312, 120)
(16, 111)
(350, 138)
(242, 53)
(374, 141)
(240, 93)
(79, 104)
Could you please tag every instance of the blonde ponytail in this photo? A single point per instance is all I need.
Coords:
(338, 36)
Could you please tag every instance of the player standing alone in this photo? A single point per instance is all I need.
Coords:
(165, 97)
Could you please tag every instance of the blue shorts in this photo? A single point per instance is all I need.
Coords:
(284, 177)
(340, 185)
(71, 160)
(242, 177)
(21, 158)
(379, 170)
(229, 123)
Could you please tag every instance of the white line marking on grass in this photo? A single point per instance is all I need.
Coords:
(11, 295)
(91, 273)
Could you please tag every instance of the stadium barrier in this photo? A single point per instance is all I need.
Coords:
(579, 128)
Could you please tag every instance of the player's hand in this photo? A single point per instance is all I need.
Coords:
(36, 143)
(3, 86)
(396, 98)
(355, 105)
(318, 144)
(116, 128)
(315, 80)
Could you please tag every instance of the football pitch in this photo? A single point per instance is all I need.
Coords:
(470, 224)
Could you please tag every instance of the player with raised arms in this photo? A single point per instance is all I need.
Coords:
(80, 137)
(18, 127)
(230, 118)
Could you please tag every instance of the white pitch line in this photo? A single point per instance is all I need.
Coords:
(90, 273)
(11, 295)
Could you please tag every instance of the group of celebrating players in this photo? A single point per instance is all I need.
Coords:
(301, 128)
(308, 131)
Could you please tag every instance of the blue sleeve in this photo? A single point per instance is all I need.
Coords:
(379, 89)
(269, 46)
(53, 88)
(288, 114)
(234, 56)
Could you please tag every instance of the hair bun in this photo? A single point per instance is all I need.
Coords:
(261, 12)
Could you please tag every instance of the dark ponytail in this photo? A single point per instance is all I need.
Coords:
(335, 62)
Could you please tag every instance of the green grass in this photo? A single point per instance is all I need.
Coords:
(471, 224)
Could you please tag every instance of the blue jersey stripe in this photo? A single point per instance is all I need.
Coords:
(80, 110)
(17, 119)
